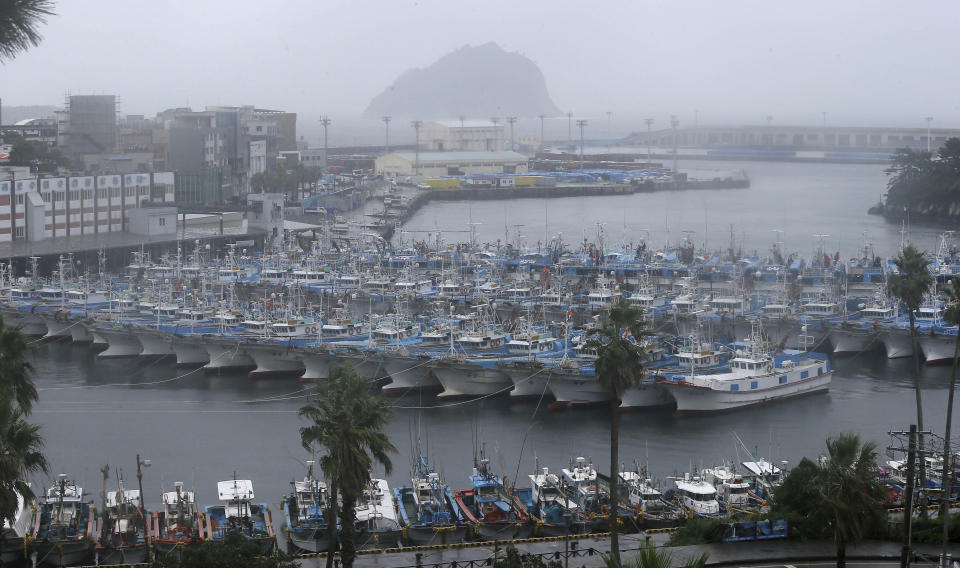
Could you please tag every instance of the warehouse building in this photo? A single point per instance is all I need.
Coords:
(434, 164)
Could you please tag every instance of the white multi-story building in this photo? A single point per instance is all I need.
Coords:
(79, 205)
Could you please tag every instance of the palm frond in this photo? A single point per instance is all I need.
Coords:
(19, 25)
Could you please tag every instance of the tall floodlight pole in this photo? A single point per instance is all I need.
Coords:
(581, 124)
(649, 122)
(542, 116)
(325, 121)
(674, 123)
(512, 120)
(386, 123)
(496, 121)
(609, 129)
(569, 128)
(928, 119)
(416, 124)
(462, 118)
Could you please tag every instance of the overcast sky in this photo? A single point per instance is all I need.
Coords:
(863, 62)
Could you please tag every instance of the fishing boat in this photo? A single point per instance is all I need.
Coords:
(427, 510)
(305, 514)
(178, 524)
(695, 495)
(497, 514)
(239, 514)
(63, 529)
(651, 510)
(376, 517)
(755, 377)
(557, 513)
(123, 527)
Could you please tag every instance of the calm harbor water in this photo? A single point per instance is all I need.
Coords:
(801, 200)
(200, 429)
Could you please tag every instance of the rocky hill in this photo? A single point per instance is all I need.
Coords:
(478, 82)
(12, 114)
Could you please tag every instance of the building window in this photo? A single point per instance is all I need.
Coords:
(88, 194)
(163, 221)
(74, 195)
(20, 199)
(18, 232)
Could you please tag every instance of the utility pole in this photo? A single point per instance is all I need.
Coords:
(928, 119)
(649, 122)
(144, 463)
(581, 124)
(542, 116)
(462, 118)
(416, 124)
(674, 123)
(512, 120)
(386, 122)
(325, 121)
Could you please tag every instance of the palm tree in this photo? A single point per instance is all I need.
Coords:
(347, 421)
(19, 20)
(910, 283)
(620, 358)
(15, 370)
(20, 457)
(951, 316)
(849, 491)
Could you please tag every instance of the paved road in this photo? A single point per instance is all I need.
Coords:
(759, 554)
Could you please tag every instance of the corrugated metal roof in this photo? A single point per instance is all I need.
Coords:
(505, 156)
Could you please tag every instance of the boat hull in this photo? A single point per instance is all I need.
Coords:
(428, 536)
(407, 373)
(528, 382)
(316, 366)
(463, 380)
(852, 342)
(127, 555)
(155, 345)
(58, 328)
(189, 352)
(274, 361)
(62, 552)
(80, 335)
(645, 395)
(226, 358)
(120, 343)
(897, 343)
(503, 530)
(309, 540)
(692, 399)
(938, 349)
(576, 390)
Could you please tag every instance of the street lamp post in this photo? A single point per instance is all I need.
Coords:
(325, 121)
(462, 118)
(581, 124)
(674, 123)
(416, 124)
(542, 116)
(928, 119)
(386, 124)
(143, 463)
(649, 122)
(496, 121)
(512, 120)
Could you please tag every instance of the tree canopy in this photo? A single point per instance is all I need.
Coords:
(917, 176)
(19, 25)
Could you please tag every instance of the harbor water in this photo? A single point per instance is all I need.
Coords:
(202, 429)
(800, 200)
